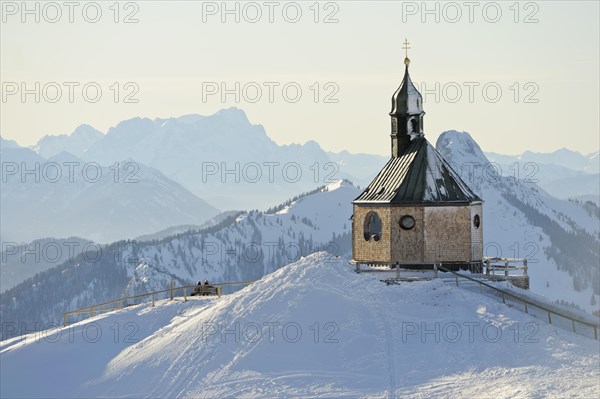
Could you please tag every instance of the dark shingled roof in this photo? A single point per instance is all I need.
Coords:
(419, 175)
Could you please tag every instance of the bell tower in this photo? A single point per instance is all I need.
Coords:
(407, 112)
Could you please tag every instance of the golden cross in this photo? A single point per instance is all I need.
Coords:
(406, 47)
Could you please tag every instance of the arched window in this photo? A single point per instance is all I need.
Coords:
(372, 228)
(476, 221)
(414, 125)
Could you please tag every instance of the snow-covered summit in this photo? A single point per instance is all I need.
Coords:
(559, 238)
(312, 328)
(459, 147)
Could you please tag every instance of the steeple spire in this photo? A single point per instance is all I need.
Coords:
(406, 48)
(407, 111)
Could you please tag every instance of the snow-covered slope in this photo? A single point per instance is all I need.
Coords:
(174, 230)
(311, 329)
(255, 244)
(559, 238)
(239, 248)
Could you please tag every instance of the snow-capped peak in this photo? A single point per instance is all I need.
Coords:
(459, 148)
(337, 185)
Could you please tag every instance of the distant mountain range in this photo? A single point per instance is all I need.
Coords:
(227, 161)
(562, 173)
(65, 196)
(75, 143)
(563, 157)
(559, 238)
(221, 158)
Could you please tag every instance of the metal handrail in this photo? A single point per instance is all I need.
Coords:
(525, 301)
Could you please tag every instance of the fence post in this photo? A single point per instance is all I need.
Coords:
(549, 318)
(456, 276)
(397, 271)
(435, 270)
(503, 300)
(595, 332)
(525, 303)
(219, 291)
(506, 269)
(525, 267)
(573, 325)
(487, 267)
(153, 299)
(184, 294)
(171, 289)
(65, 316)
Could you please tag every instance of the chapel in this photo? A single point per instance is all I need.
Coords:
(417, 211)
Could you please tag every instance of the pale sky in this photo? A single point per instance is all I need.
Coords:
(177, 48)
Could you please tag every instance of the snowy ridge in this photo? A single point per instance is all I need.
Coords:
(255, 244)
(563, 157)
(238, 248)
(559, 238)
(312, 328)
(76, 143)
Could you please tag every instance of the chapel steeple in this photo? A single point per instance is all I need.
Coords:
(407, 112)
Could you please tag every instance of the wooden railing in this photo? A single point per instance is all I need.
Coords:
(104, 307)
(527, 304)
(504, 266)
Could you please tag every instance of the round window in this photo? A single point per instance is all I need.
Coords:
(372, 228)
(476, 221)
(407, 222)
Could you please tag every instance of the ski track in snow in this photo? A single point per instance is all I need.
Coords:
(370, 357)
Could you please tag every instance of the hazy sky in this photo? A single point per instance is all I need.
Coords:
(542, 56)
